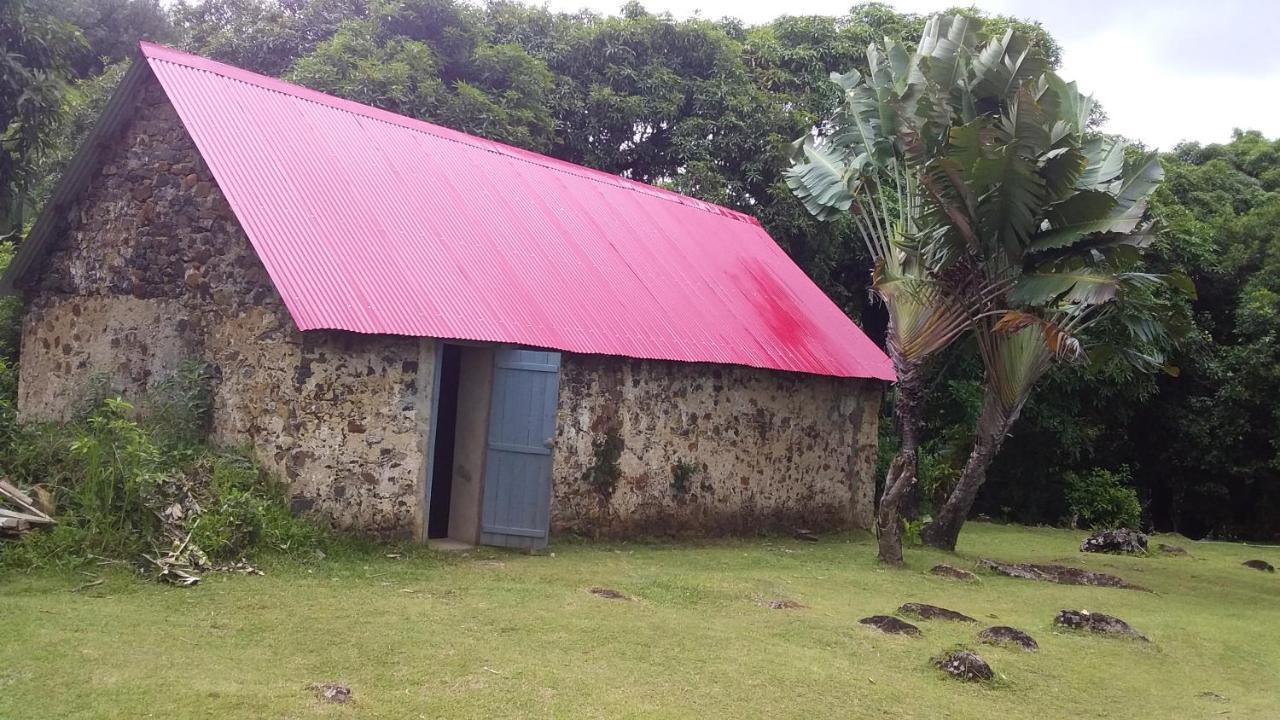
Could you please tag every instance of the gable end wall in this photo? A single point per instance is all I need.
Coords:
(152, 268)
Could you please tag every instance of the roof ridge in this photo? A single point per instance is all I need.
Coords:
(163, 53)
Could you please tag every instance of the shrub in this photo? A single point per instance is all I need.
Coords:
(1103, 499)
(112, 467)
(179, 406)
(127, 482)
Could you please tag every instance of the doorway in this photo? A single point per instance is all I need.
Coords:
(446, 438)
(458, 454)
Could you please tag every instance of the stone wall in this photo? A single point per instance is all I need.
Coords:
(756, 449)
(153, 268)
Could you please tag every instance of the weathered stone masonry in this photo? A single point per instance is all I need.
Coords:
(153, 268)
(767, 449)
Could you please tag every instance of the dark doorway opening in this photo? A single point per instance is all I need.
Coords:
(446, 435)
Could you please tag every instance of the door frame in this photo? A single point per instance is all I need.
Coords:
(437, 370)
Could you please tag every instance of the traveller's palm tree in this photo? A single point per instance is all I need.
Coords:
(1057, 219)
(985, 205)
(878, 161)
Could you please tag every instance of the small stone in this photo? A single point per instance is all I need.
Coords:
(954, 573)
(1262, 565)
(965, 665)
(891, 625)
(805, 535)
(1005, 635)
(141, 192)
(332, 692)
(932, 612)
(607, 593)
(202, 189)
(1122, 541)
(1171, 549)
(193, 278)
(785, 605)
(1096, 623)
(190, 181)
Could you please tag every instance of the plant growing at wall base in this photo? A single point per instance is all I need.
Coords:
(122, 487)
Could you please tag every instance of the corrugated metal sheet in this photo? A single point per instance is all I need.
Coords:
(376, 223)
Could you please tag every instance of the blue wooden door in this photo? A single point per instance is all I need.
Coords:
(522, 427)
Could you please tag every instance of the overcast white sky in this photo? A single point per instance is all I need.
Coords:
(1165, 71)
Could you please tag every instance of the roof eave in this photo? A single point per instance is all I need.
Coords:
(120, 108)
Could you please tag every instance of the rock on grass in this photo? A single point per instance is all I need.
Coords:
(332, 692)
(1097, 623)
(891, 625)
(954, 573)
(1122, 541)
(1005, 635)
(932, 612)
(1171, 549)
(1262, 565)
(1058, 574)
(965, 665)
(607, 593)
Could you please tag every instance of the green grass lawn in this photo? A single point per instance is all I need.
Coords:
(491, 634)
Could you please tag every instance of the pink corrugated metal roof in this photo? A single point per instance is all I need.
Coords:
(376, 223)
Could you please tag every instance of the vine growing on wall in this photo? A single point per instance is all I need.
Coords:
(604, 472)
(682, 473)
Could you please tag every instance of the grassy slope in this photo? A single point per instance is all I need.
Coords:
(502, 635)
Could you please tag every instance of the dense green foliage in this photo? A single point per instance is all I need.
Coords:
(125, 481)
(1103, 499)
(36, 47)
(707, 107)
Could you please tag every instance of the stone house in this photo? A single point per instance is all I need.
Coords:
(428, 334)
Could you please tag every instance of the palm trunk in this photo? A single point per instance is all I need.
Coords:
(993, 427)
(909, 411)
